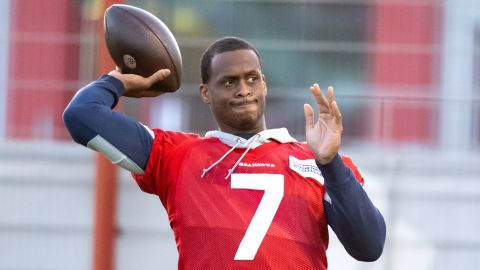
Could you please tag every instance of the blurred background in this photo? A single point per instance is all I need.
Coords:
(406, 76)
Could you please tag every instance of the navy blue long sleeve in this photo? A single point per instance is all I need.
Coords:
(90, 114)
(358, 224)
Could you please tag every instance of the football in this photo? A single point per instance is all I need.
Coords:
(140, 43)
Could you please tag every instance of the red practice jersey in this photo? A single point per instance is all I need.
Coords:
(268, 214)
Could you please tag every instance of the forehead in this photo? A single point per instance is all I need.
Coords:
(234, 62)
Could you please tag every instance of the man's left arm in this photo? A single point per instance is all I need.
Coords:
(358, 224)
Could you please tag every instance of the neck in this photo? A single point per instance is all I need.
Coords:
(246, 135)
(240, 130)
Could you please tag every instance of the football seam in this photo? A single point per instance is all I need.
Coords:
(166, 50)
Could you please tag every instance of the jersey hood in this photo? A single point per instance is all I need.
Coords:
(280, 135)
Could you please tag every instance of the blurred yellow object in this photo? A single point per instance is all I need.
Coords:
(92, 9)
(185, 20)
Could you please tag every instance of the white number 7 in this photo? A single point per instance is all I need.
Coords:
(273, 186)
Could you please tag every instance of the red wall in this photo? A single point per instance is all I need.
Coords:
(403, 64)
(43, 73)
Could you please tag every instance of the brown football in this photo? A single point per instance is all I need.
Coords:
(140, 43)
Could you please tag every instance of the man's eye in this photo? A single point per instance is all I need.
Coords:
(228, 83)
(252, 79)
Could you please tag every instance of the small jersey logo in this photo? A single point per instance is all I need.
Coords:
(306, 168)
(256, 164)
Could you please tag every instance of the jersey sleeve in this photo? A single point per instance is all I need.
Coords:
(90, 120)
(165, 142)
(356, 221)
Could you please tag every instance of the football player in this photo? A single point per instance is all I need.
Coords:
(242, 196)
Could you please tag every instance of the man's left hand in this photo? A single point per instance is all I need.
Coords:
(324, 136)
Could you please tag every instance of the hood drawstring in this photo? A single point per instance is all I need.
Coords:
(220, 159)
(249, 142)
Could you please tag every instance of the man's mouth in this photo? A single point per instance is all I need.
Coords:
(244, 103)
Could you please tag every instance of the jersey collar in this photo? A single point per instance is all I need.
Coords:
(280, 135)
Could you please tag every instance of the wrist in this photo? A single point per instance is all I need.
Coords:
(334, 172)
(119, 85)
(325, 160)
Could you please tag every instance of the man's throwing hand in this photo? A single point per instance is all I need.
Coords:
(137, 86)
(324, 136)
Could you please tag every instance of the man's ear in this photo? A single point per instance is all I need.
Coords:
(204, 93)
(264, 81)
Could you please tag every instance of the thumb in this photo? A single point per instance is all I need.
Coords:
(309, 119)
(160, 75)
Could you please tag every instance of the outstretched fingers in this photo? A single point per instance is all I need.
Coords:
(309, 117)
(327, 106)
(335, 111)
(320, 98)
(331, 98)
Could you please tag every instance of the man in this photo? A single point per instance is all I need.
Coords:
(243, 196)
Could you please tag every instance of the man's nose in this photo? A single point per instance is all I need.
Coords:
(243, 89)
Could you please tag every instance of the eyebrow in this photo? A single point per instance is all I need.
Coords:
(228, 77)
(231, 76)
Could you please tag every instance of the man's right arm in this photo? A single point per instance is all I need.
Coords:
(91, 122)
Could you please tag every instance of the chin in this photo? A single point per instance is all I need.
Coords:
(246, 123)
